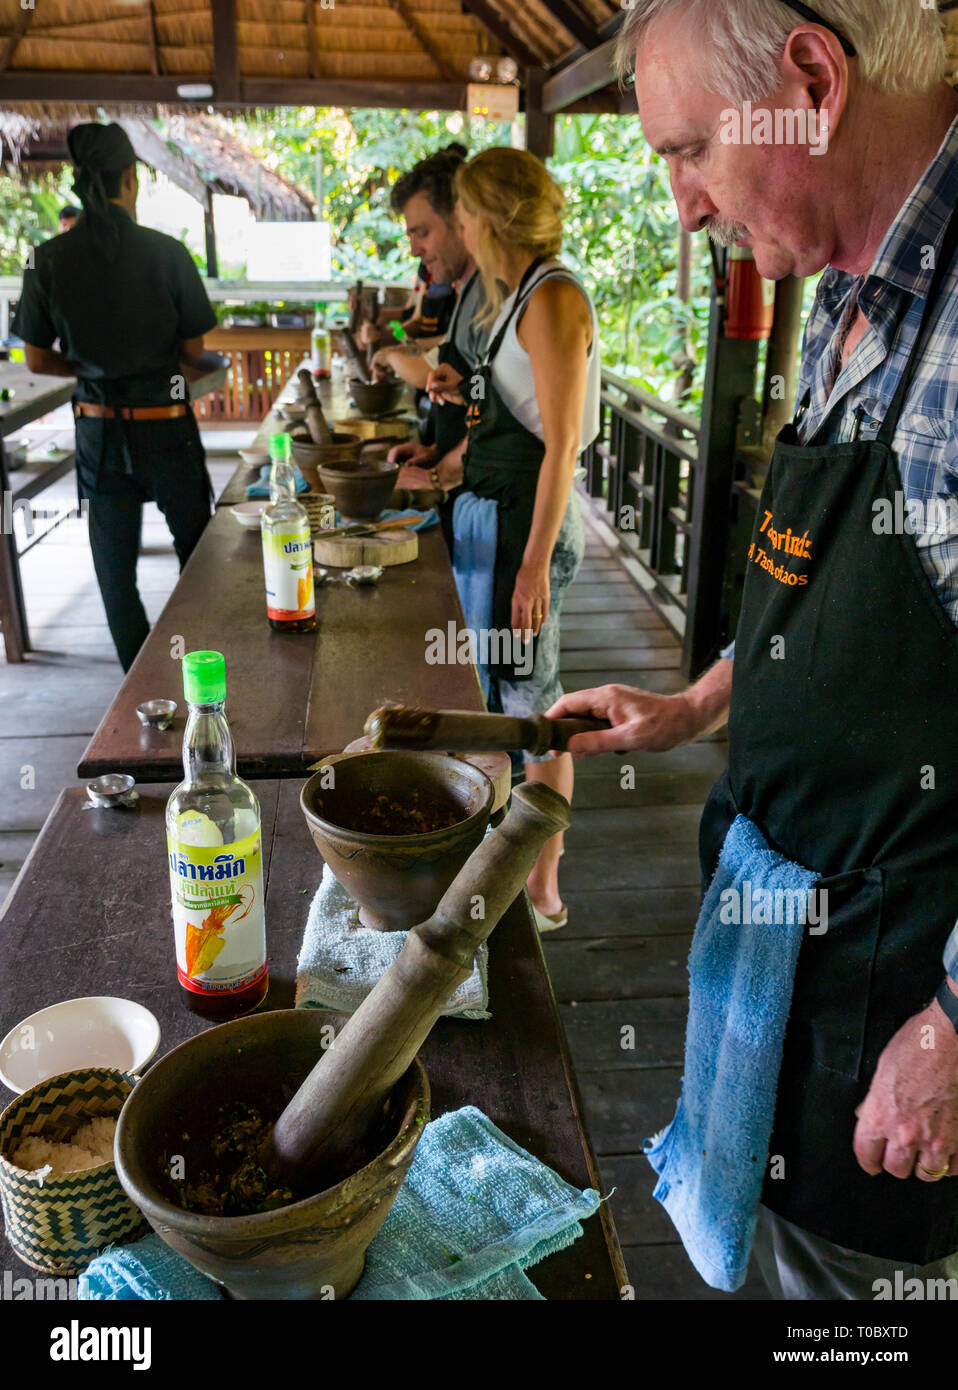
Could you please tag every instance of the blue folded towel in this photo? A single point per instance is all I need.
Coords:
(711, 1160)
(340, 960)
(475, 1211)
(475, 528)
(261, 487)
(148, 1269)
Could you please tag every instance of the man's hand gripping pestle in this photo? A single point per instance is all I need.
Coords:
(315, 419)
(319, 1135)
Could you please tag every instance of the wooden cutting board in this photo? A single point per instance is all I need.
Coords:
(346, 552)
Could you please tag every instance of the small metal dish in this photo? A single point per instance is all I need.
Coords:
(363, 575)
(320, 577)
(112, 789)
(157, 714)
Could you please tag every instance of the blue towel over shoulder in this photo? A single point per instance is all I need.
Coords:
(711, 1160)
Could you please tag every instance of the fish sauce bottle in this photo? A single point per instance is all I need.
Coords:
(215, 851)
(287, 547)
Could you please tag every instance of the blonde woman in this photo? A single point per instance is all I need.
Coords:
(533, 406)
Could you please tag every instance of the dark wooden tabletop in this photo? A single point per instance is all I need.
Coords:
(291, 697)
(89, 915)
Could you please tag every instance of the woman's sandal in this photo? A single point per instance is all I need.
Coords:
(546, 923)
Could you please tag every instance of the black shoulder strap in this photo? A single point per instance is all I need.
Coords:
(946, 255)
(494, 347)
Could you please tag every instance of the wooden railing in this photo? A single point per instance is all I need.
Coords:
(261, 361)
(642, 471)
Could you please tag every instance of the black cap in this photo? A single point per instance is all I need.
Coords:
(105, 148)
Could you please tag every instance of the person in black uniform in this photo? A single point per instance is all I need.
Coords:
(67, 218)
(128, 306)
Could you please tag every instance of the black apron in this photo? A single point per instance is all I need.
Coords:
(502, 462)
(833, 749)
(449, 421)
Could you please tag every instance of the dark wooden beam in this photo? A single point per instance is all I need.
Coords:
(155, 65)
(540, 127)
(580, 78)
(572, 20)
(209, 227)
(119, 88)
(226, 78)
(503, 34)
(312, 48)
(13, 40)
(423, 39)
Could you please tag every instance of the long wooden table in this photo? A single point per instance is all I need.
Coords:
(291, 697)
(89, 914)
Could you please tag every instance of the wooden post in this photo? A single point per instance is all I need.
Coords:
(781, 369)
(540, 126)
(729, 379)
(212, 264)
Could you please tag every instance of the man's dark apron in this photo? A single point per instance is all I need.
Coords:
(843, 750)
(449, 421)
(502, 462)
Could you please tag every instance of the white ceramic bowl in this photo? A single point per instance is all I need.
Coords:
(254, 456)
(250, 514)
(77, 1033)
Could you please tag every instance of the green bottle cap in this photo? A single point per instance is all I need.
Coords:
(204, 677)
(280, 448)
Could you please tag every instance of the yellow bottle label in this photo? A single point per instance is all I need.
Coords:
(218, 918)
(288, 562)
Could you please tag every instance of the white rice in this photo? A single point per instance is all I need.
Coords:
(91, 1146)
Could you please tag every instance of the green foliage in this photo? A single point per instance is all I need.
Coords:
(28, 215)
(621, 226)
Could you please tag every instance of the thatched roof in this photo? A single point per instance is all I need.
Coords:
(267, 53)
(193, 151)
(420, 49)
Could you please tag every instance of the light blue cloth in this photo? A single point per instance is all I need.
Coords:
(340, 960)
(475, 529)
(711, 1160)
(147, 1269)
(475, 1211)
(261, 487)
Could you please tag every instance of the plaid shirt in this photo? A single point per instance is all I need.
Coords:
(844, 403)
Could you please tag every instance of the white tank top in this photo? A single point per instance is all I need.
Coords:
(512, 367)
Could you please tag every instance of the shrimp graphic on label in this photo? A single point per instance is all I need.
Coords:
(204, 943)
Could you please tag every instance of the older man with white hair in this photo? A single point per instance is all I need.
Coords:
(841, 689)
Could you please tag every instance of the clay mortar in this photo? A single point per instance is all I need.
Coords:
(300, 1251)
(397, 880)
(361, 490)
(377, 397)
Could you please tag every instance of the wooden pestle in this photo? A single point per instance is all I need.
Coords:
(319, 431)
(321, 1132)
(461, 731)
(355, 358)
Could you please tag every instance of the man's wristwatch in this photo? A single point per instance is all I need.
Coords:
(949, 1003)
(434, 479)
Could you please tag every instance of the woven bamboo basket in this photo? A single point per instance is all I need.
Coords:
(60, 1226)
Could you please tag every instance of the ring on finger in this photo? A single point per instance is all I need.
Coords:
(936, 1173)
